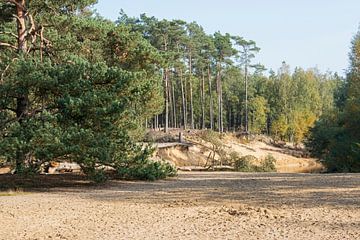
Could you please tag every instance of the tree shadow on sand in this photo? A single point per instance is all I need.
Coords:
(215, 188)
(43, 182)
(305, 190)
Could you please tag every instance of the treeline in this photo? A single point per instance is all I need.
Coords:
(211, 81)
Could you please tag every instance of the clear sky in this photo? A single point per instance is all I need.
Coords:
(305, 33)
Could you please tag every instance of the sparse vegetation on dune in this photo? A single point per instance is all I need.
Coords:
(208, 150)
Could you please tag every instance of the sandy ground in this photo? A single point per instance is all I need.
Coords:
(190, 206)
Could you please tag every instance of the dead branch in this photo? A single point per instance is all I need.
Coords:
(7, 67)
(8, 109)
(17, 4)
(41, 43)
(2, 44)
(9, 33)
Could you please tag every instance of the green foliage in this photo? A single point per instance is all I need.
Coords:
(96, 175)
(244, 164)
(28, 170)
(335, 137)
(301, 122)
(81, 95)
(145, 169)
(334, 146)
(84, 115)
(258, 114)
(212, 137)
(208, 67)
(279, 127)
(268, 164)
(247, 164)
(217, 147)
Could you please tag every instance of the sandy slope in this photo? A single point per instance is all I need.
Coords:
(197, 154)
(191, 206)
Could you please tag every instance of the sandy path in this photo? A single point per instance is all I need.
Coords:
(191, 206)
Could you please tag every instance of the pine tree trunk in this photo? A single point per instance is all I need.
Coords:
(166, 124)
(21, 26)
(229, 124)
(174, 105)
(183, 98)
(211, 108)
(246, 101)
(22, 101)
(234, 120)
(203, 100)
(156, 122)
(171, 116)
(220, 107)
(192, 124)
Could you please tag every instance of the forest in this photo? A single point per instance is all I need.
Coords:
(75, 86)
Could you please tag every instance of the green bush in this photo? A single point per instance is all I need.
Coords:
(334, 145)
(233, 157)
(28, 171)
(245, 164)
(97, 175)
(146, 170)
(268, 164)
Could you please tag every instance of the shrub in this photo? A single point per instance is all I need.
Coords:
(217, 147)
(232, 157)
(98, 176)
(246, 164)
(28, 170)
(268, 164)
(146, 170)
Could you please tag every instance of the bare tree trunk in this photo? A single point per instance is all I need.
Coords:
(192, 123)
(202, 100)
(246, 101)
(183, 98)
(211, 108)
(234, 120)
(166, 82)
(21, 25)
(174, 105)
(156, 122)
(166, 124)
(220, 107)
(229, 123)
(171, 116)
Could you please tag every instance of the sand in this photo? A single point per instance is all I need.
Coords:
(190, 206)
(288, 160)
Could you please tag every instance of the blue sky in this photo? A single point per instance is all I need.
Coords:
(305, 33)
